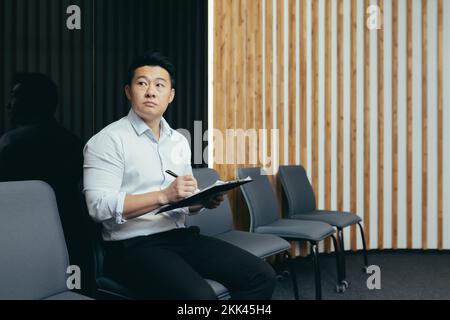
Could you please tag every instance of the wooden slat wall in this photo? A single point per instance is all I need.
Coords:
(245, 82)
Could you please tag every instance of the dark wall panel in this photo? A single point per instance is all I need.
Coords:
(34, 38)
(173, 27)
(89, 65)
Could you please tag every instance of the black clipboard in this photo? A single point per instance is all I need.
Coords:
(219, 187)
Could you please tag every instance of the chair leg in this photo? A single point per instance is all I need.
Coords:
(293, 274)
(363, 238)
(337, 254)
(315, 251)
(342, 252)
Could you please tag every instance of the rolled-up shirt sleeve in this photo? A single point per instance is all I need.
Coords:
(102, 174)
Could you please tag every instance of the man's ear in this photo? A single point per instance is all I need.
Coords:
(172, 95)
(127, 91)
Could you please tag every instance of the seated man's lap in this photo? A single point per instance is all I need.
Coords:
(174, 266)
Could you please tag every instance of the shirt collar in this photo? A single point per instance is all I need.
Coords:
(141, 127)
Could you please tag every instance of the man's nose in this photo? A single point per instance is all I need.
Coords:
(151, 91)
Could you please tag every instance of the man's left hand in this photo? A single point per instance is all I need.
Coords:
(214, 202)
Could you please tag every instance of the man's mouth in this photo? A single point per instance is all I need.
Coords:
(150, 104)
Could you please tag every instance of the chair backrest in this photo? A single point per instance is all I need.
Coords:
(34, 258)
(218, 220)
(297, 189)
(260, 197)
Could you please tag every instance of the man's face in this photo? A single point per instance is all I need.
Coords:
(150, 92)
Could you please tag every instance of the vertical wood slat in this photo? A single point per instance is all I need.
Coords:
(257, 26)
(280, 80)
(409, 110)
(218, 81)
(269, 76)
(303, 84)
(394, 104)
(224, 91)
(327, 136)
(440, 115)
(292, 136)
(424, 126)
(315, 99)
(353, 88)
(380, 131)
(367, 107)
(340, 106)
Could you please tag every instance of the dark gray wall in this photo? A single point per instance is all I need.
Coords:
(89, 65)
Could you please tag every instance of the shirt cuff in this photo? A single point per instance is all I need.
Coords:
(119, 208)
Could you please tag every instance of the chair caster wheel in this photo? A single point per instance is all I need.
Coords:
(340, 288)
(345, 284)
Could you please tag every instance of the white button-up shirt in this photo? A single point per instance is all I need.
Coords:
(125, 157)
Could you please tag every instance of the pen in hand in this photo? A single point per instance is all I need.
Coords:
(173, 174)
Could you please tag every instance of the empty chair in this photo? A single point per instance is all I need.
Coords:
(264, 218)
(219, 223)
(301, 205)
(34, 259)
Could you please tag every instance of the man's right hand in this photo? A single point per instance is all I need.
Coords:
(182, 187)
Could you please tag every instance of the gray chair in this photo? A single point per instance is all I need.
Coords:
(264, 218)
(301, 205)
(218, 223)
(34, 258)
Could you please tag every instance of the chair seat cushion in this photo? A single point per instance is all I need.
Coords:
(68, 295)
(338, 219)
(261, 245)
(297, 229)
(219, 289)
(116, 289)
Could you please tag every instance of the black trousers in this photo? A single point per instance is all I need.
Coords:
(175, 263)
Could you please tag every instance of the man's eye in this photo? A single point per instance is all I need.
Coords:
(160, 85)
(142, 83)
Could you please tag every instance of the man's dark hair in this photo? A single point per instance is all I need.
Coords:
(41, 93)
(152, 59)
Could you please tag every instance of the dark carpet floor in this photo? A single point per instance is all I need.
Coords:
(405, 275)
